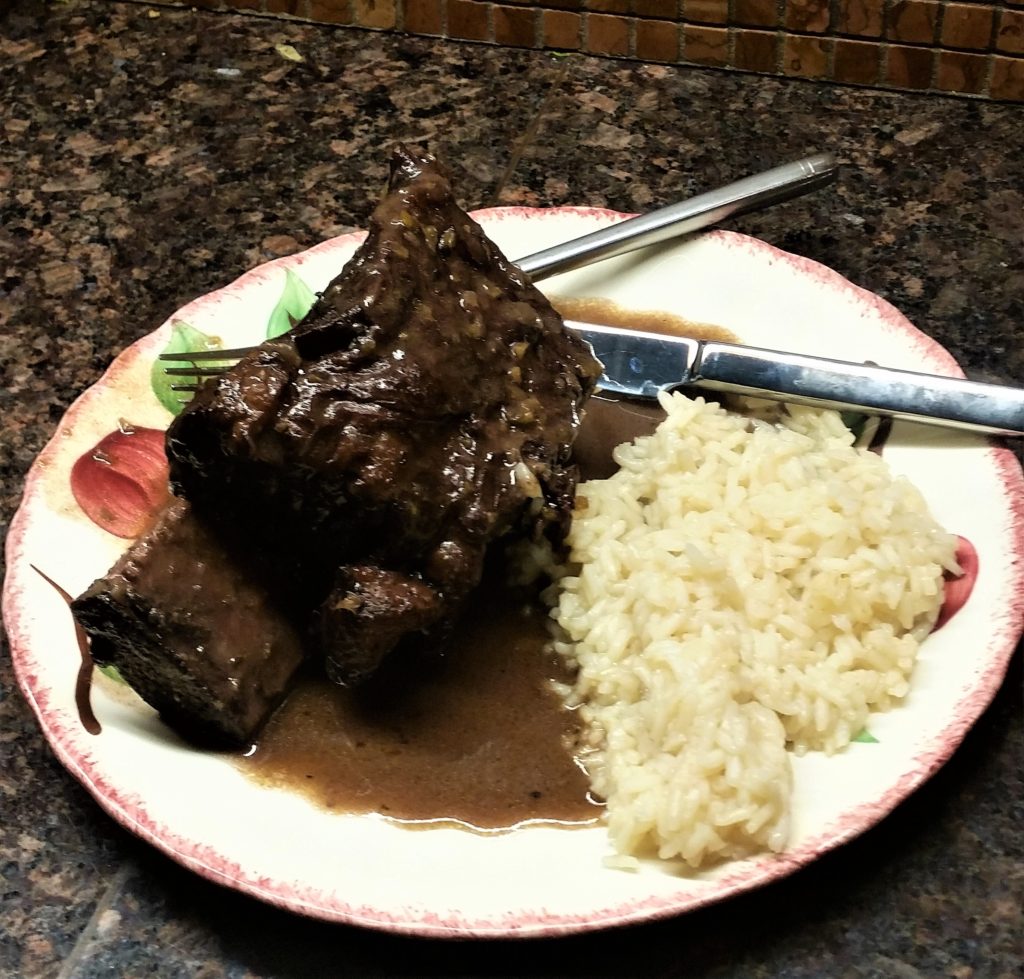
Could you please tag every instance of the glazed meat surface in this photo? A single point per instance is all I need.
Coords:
(426, 406)
(193, 630)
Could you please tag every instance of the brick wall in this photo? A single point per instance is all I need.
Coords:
(969, 48)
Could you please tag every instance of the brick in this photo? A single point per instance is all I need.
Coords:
(661, 9)
(1007, 79)
(756, 13)
(1010, 35)
(468, 19)
(961, 72)
(706, 45)
(515, 26)
(856, 62)
(657, 40)
(706, 11)
(424, 17)
(913, 21)
(607, 6)
(805, 57)
(755, 51)
(331, 11)
(561, 29)
(607, 34)
(967, 25)
(807, 15)
(374, 13)
(862, 18)
(909, 67)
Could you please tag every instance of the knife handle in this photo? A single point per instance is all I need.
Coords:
(826, 383)
(749, 194)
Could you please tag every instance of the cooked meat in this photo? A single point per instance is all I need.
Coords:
(193, 631)
(343, 482)
(368, 613)
(426, 406)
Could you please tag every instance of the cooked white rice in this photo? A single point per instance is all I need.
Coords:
(738, 588)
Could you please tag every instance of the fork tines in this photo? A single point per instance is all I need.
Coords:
(195, 371)
(194, 356)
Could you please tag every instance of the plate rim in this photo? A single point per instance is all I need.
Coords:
(196, 857)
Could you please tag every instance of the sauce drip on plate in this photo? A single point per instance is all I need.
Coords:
(83, 680)
(604, 312)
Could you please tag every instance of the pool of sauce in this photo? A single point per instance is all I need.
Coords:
(473, 735)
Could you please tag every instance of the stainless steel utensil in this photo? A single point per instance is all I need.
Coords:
(643, 364)
(750, 194)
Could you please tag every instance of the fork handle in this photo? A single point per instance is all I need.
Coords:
(749, 194)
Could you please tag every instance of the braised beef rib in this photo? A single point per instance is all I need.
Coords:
(426, 406)
(343, 482)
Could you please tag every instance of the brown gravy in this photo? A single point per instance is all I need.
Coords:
(607, 313)
(83, 681)
(475, 737)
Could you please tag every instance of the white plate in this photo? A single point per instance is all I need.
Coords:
(538, 881)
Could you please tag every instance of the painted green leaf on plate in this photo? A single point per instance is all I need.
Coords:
(183, 339)
(113, 673)
(865, 737)
(295, 301)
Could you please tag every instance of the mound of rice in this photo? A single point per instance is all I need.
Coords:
(740, 587)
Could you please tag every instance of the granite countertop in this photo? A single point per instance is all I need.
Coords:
(150, 155)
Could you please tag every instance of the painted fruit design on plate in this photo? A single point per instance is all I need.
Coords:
(121, 482)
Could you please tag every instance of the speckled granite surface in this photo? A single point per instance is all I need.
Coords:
(148, 157)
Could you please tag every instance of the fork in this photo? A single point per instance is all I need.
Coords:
(752, 193)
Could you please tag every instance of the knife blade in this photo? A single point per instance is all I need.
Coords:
(642, 364)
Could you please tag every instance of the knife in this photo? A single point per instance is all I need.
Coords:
(641, 364)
